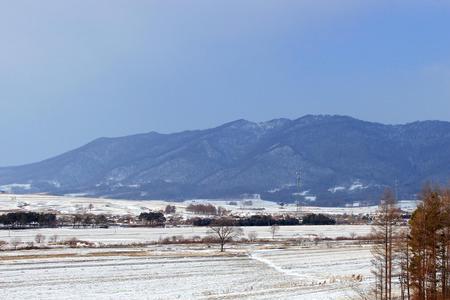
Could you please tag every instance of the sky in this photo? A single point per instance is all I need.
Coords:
(73, 71)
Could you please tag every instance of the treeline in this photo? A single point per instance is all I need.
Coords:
(85, 220)
(255, 220)
(413, 262)
(152, 218)
(205, 209)
(318, 219)
(34, 219)
(269, 220)
(19, 219)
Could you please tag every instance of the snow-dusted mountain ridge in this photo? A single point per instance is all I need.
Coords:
(341, 159)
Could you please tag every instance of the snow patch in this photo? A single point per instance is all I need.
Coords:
(15, 186)
(55, 183)
(357, 186)
(336, 189)
(311, 198)
(273, 266)
(76, 195)
(304, 193)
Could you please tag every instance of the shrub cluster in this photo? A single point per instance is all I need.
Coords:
(202, 221)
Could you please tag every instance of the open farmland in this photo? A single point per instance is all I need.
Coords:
(181, 272)
(127, 235)
(299, 262)
(72, 205)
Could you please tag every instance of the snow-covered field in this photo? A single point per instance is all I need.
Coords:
(328, 270)
(272, 270)
(125, 235)
(180, 272)
(65, 204)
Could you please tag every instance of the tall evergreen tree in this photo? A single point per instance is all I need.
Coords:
(430, 243)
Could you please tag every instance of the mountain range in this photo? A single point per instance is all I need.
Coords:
(336, 160)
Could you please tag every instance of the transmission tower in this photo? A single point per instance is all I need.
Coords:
(396, 191)
(298, 183)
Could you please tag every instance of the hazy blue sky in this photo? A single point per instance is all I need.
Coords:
(72, 71)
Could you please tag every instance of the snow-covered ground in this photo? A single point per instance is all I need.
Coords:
(178, 272)
(66, 204)
(275, 270)
(125, 235)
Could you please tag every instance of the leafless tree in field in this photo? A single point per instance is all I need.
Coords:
(170, 209)
(15, 242)
(39, 238)
(385, 234)
(53, 238)
(252, 235)
(222, 211)
(224, 231)
(274, 229)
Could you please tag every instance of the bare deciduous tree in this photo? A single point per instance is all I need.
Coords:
(15, 242)
(53, 238)
(404, 264)
(224, 231)
(222, 211)
(274, 229)
(205, 209)
(39, 238)
(385, 234)
(252, 236)
(170, 209)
